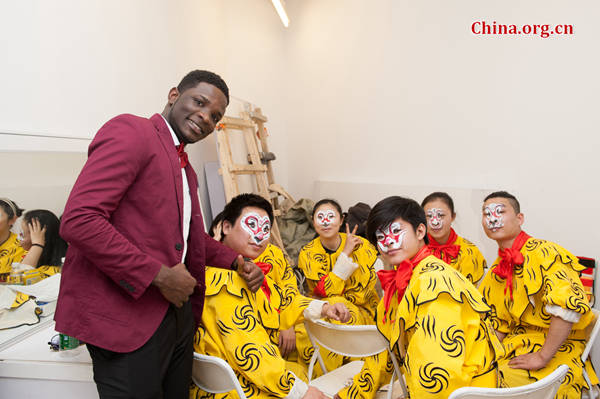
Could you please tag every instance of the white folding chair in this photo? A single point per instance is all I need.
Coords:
(353, 341)
(593, 330)
(213, 374)
(543, 389)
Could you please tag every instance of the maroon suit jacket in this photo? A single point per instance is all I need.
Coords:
(123, 220)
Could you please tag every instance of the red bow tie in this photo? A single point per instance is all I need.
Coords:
(447, 251)
(509, 257)
(183, 157)
(266, 268)
(397, 280)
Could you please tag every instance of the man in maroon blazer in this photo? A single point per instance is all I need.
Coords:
(133, 277)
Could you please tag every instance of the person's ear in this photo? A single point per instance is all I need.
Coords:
(173, 96)
(453, 217)
(12, 222)
(226, 227)
(521, 218)
(421, 231)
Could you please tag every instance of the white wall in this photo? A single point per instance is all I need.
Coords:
(402, 93)
(69, 66)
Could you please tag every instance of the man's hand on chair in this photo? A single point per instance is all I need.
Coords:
(314, 393)
(336, 311)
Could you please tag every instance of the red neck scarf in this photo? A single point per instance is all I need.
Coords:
(397, 280)
(447, 251)
(266, 268)
(509, 257)
(183, 157)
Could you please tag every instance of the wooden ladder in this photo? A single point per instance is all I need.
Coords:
(249, 123)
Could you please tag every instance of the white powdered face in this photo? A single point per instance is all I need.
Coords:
(493, 213)
(434, 218)
(390, 237)
(325, 218)
(259, 228)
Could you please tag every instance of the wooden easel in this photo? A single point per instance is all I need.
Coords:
(249, 124)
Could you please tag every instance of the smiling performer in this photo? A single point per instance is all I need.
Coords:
(540, 310)
(339, 269)
(437, 324)
(242, 327)
(133, 277)
(457, 251)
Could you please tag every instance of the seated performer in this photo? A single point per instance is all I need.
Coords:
(539, 306)
(437, 323)
(445, 244)
(10, 248)
(339, 269)
(242, 327)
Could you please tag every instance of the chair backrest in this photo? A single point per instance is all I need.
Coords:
(214, 375)
(353, 341)
(593, 330)
(543, 389)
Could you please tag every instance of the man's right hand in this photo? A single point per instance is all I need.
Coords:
(175, 283)
(314, 393)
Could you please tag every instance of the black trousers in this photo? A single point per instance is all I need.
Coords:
(160, 369)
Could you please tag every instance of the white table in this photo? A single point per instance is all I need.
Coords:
(30, 369)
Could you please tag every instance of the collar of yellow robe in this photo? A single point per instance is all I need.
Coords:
(538, 255)
(425, 287)
(218, 280)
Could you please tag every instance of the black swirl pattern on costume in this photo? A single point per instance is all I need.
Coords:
(428, 326)
(200, 394)
(247, 356)
(389, 365)
(366, 382)
(453, 341)
(270, 350)
(518, 270)
(520, 329)
(243, 318)
(433, 378)
(286, 381)
(568, 380)
(431, 267)
(545, 316)
(288, 272)
(532, 244)
(247, 386)
(307, 354)
(223, 328)
(199, 336)
(566, 347)
(273, 335)
(321, 258)
(287, 296)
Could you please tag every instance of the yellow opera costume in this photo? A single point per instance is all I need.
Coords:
(546, 284)
(439, 330)
(331, 276)
(242, 328)
(10, 251)
(462, 255)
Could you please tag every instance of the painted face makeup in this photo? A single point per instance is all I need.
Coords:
(259, 228)
(434, 218)
(325, 218)
(390, 237)
(493, 214)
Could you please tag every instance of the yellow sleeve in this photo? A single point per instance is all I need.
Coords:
(246, 345)
(376, 372)
(563, 287)
(292, 307)
(436, 351)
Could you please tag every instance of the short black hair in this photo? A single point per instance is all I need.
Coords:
(10, 208)
(505, 194)
(233, 209)
(391, 208)
(55, 247)
(444, 197)
(330, 201)
(193, 78)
